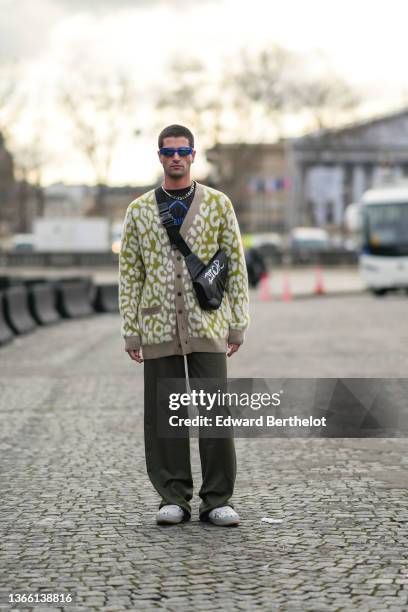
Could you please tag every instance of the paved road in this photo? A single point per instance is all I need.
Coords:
(77, 511)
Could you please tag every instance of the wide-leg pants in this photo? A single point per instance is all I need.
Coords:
(168, 459)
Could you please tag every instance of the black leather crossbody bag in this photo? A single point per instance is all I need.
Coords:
(209, 280)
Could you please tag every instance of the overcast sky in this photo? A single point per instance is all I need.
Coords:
(365, 41)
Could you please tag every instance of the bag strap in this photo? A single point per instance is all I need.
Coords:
(169, 225)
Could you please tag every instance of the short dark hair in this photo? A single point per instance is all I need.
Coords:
(176, 130)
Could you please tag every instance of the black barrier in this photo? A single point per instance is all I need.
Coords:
(107, 298)
(85, 280)
(332, 257)
(33, 280)
(74, 298)
(6, 333)
(42, 303)
(58, 260)
(16, 310)
(13, 281)
(324, 258)
(10, 281)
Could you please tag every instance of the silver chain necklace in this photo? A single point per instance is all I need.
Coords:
(188, 194)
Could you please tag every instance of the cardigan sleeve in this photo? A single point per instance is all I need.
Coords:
(132, 275)
(237, 282)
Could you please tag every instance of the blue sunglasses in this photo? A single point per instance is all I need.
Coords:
(170, 151)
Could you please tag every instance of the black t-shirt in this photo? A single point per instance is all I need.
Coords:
(178, 208)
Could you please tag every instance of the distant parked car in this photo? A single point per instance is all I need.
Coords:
(268, 244)
(304, 242)
(309, 238)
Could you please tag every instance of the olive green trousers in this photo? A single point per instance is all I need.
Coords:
(168, 459)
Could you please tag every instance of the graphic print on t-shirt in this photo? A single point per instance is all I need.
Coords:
(178, 210)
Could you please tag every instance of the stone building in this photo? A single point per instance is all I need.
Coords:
(255, 177)
(311, 179)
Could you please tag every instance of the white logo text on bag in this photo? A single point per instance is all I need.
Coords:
(212, 272)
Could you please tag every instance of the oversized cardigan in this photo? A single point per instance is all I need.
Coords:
(158, 305)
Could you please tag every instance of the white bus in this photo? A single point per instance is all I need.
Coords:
(383, 221)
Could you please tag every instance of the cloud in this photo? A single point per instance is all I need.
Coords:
(25, 29)
(27, 26)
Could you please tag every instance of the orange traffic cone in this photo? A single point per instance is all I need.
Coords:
(265, 293)
(286, 291)
(319, 285)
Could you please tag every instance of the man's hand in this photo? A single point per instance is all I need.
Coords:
(135, 355)
(232, 349)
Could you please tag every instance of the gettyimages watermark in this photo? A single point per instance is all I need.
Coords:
(290, 407)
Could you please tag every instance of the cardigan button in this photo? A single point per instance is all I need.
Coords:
(179, 311)
(179, 293)
(178, 275)
(179, 258)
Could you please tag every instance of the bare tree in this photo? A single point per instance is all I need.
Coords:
(97, 106)
(194, 97)
(253, 94)
(31, 158)
(257, 92)
(260, 88)
(276, 82)
(328, 99)
(272, 85)
(23, 159)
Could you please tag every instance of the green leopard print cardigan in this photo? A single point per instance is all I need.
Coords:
(159, 309)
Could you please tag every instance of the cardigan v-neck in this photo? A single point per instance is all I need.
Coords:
(159, 308)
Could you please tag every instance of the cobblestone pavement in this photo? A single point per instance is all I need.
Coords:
(77, 510)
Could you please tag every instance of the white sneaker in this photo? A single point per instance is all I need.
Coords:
(223, 516)
(169, 515)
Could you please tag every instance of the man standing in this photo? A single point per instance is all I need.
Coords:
(164, 326)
